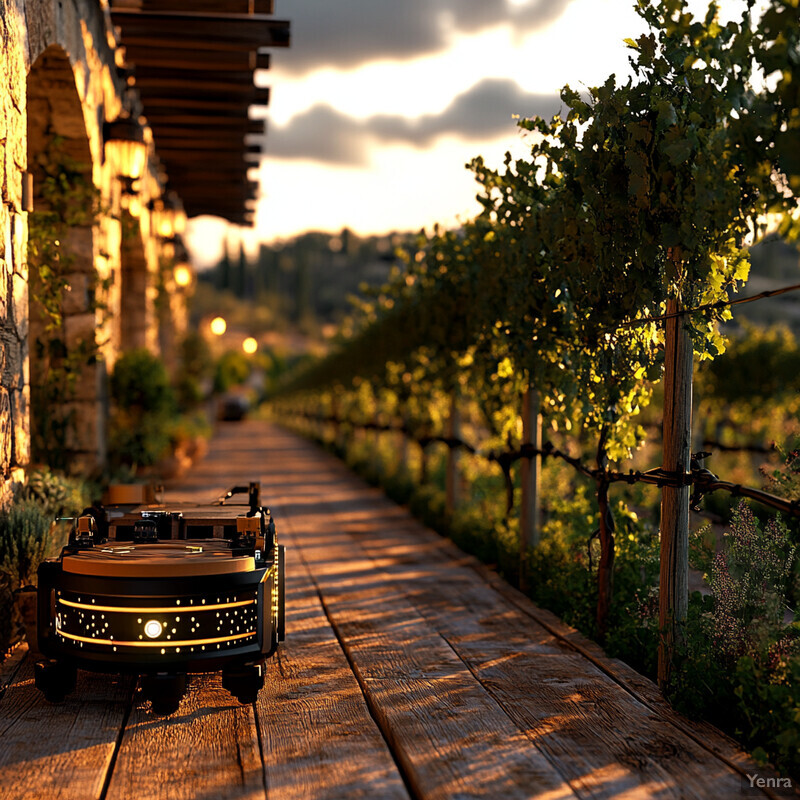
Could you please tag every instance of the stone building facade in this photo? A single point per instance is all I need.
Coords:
(61, 82)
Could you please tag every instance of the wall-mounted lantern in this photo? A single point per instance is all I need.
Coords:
(124, 137)
(183, 275)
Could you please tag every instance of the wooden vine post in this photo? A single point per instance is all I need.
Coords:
(674, 575)
(529, 519)
(451, 475)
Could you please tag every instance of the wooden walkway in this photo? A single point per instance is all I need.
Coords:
(409, 670)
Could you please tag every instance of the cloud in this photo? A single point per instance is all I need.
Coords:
(323, 134)
(347, 33)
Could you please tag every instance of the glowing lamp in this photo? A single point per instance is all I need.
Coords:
(250, 345)
(124, 137)
(153, 628)
(183, 275)
(218, 326)
(166, 230)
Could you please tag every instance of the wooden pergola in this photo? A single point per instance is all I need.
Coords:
(192, 63)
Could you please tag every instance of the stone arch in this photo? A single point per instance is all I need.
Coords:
(66, 376)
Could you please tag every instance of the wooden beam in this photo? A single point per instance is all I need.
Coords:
(200, 145)
(225, 32)
(240, 218)
(196, 105)
(159, 57)
(200, 158)
(529, 520)
(243, 96)
(199, 6)
(161, 117)
(186, 132)
(677, 447)
(215, 189)
(155, 78)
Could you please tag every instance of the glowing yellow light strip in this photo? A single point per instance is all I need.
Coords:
(160, 610)
(163, 644)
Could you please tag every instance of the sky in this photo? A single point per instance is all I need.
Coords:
(378, 105)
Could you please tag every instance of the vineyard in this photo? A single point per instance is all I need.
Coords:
(511, 381)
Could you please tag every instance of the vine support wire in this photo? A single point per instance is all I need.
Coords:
(677, 450)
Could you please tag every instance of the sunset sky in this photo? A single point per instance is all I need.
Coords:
(378, 105)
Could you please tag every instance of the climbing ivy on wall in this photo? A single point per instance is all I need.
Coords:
(68, 199)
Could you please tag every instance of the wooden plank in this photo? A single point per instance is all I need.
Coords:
(59, 751)
(207, 749)
(237, 99)
(200, 158)
(450, 737)
(158, 117)
(599, 736)
(198, 133)
(209, 6)
(154, 102)
(218, 32)
(318, 737)
(603, 736)
(223, 193)
(10, 665)
(640, 687)
(197, 59)
(148, 79)
(219, 146)
(209, 119)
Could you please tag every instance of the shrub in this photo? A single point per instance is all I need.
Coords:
(58, 495)
(26, 538)
(232, 369)
(740, 662)
(140, 384)
(143, 406)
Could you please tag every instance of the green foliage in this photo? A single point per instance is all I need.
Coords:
(741, 660)
(28, 535)
(761, 364)
(636, 197)
(768, 696)
(56, 494)
(140, 382)
(25, 541)
(749, 580)
(196, 366)
(232, 369)
(69, 199)
(143, 405)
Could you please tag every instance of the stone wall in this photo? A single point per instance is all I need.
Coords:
(59, 78)
(14, 374)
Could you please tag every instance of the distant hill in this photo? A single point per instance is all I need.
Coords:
(306, 281)
(774, 264)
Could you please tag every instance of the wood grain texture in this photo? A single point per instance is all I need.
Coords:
(207, 750)
(318, 736)
(10, 665)
(59, 751)
(564, 703)
(449, 736)
(409, 669)
(604, 738)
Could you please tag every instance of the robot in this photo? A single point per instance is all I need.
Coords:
(161, 591)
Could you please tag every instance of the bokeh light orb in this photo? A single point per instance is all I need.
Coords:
(250, 345)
